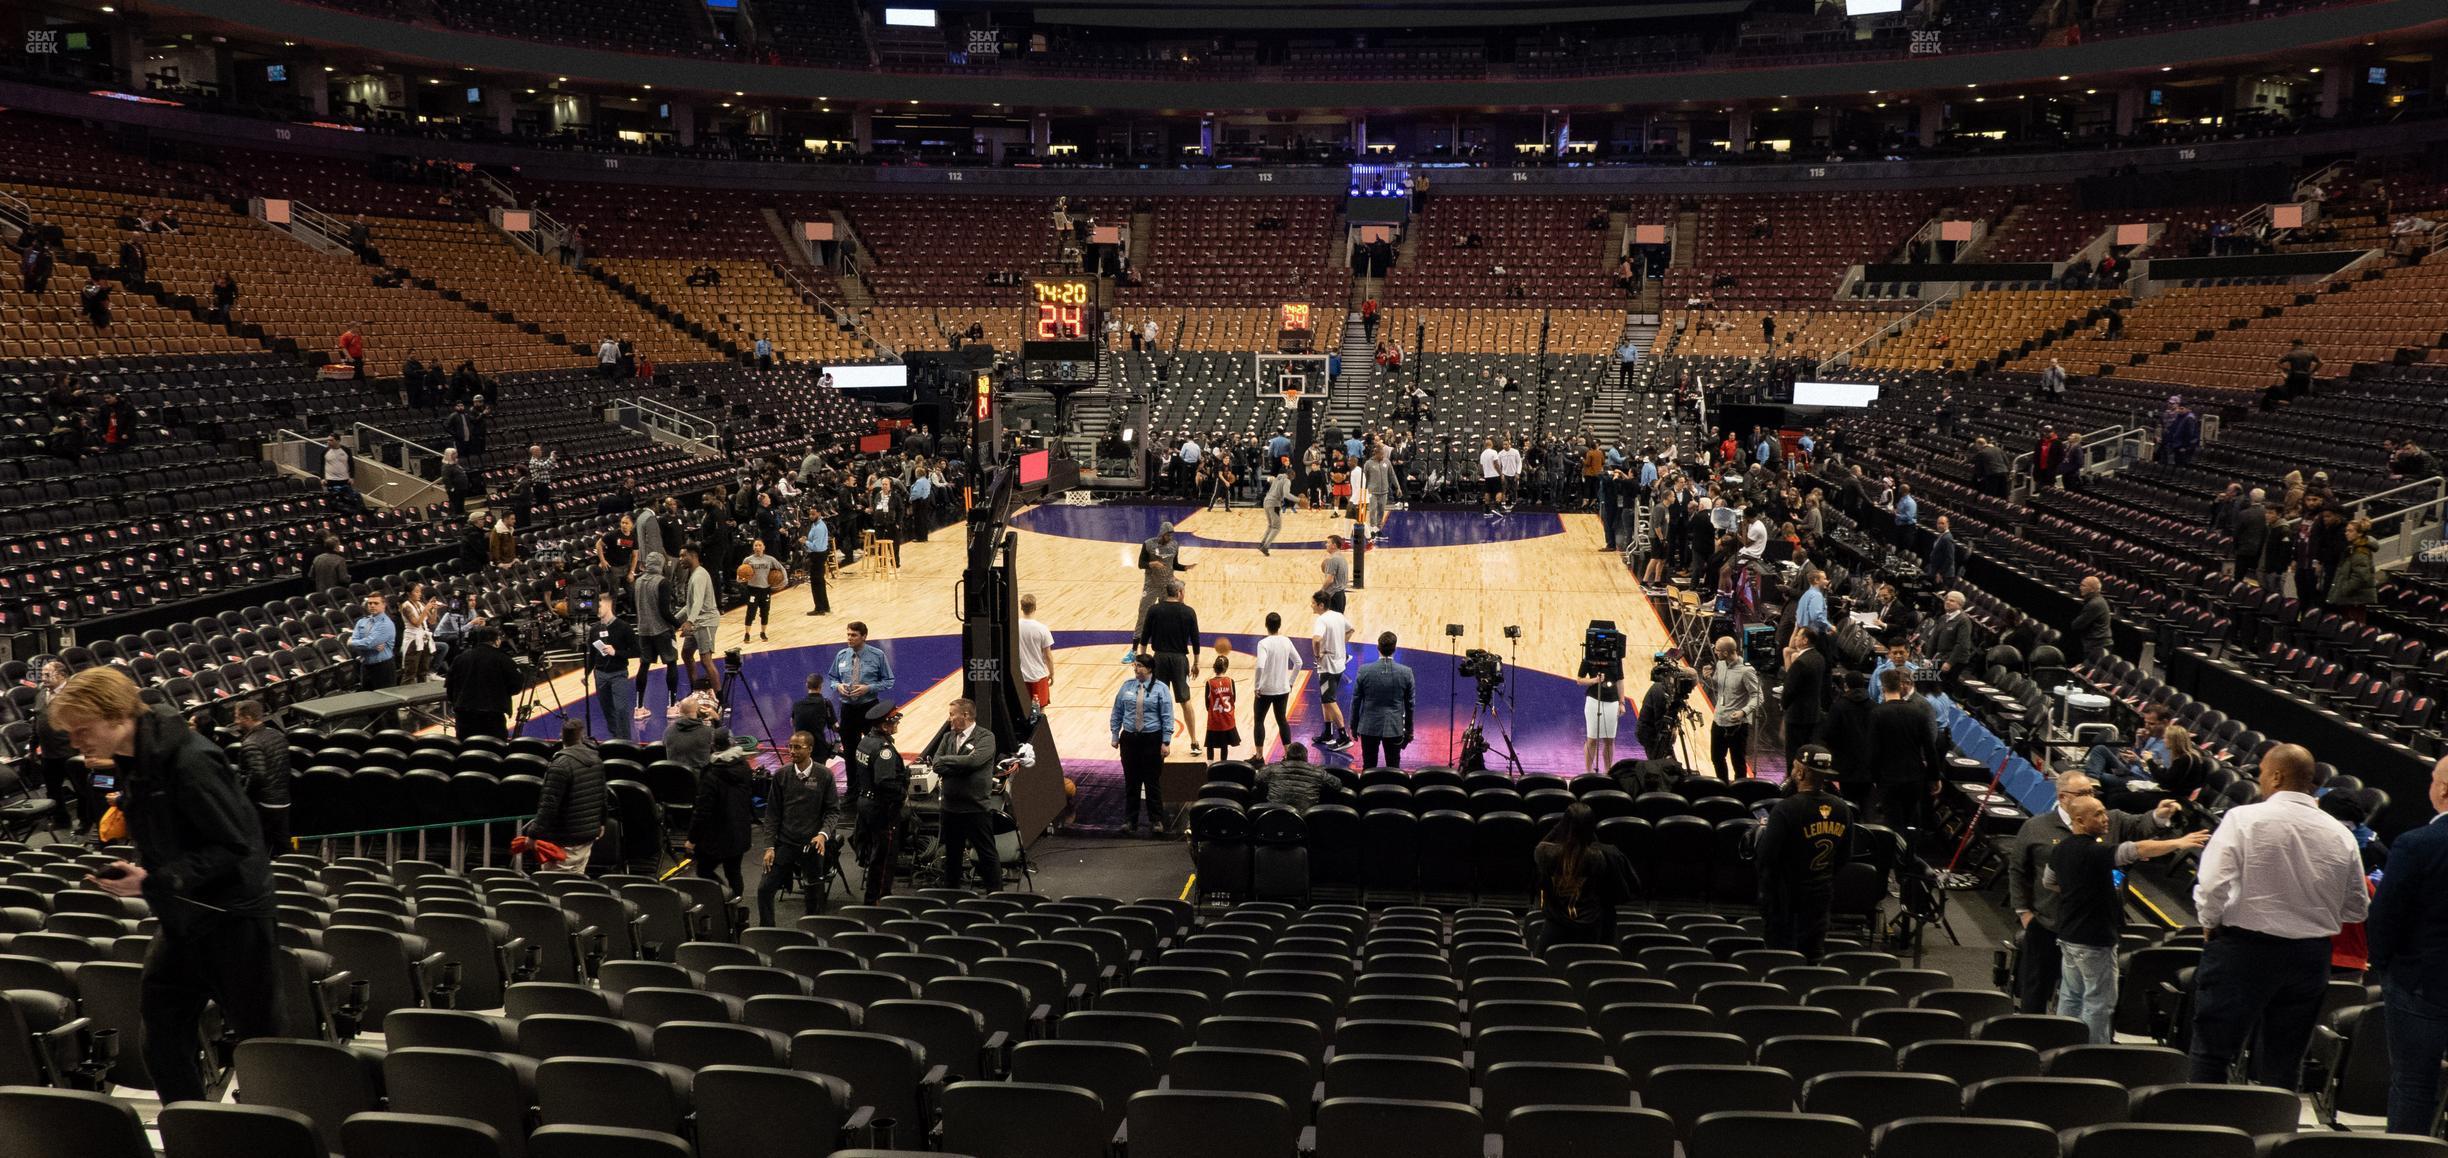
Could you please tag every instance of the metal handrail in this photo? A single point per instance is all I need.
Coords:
(2125, 441)
(402, 439)
(390, 839)
(2426, 501)
(409, 828)
(1893, 329)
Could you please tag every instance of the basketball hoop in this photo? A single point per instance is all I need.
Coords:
(1292, 396)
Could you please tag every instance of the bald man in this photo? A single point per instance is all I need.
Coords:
(2036, 966)
(2277, 882)
(2082, 872)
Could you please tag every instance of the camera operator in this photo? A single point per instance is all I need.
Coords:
(813, 716)
(1601, 710)
(611, 644)
(1670, 684)
(201, 868)
(483, 681)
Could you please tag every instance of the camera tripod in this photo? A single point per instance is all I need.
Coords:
(735, 676)
(531, 701)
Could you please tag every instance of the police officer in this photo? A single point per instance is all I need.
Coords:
(879, 809)
(1806, 838)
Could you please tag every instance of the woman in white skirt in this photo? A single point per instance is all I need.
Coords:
(1601, 709)
(418, 612)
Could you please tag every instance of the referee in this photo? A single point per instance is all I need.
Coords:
(1171, 636)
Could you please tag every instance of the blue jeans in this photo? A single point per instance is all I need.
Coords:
(2107, 765)
(2417, 1039)
(618, 698)
(2087, 988)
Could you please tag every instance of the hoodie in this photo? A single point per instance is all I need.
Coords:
(646, 597)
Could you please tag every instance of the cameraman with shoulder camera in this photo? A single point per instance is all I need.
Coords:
(1670, 684)
(483, 681)
(610, 645)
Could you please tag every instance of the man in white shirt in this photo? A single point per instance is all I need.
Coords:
(2277, 881)
(1328, 634)
(1509, 464)
(1036, 658)
(1278, 664)
(1489, 480)
(607, 357)
(339, 475)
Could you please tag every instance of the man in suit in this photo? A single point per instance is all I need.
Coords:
(2408, 932)
(1805, 694)
(2093, 628)
(1952, 645)
(1945, 561)
(1383, 701)
(2037, 962)
(803, 814)
(1905, 758)
(965, 758)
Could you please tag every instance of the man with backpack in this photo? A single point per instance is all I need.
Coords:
(651, 596)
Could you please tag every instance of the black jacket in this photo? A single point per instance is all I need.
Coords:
(1903, 748)
(2093, 627)
(264, 758)
(572, 808)
(483, 679)
(1951, 641)
(2251, 536)
(967, 769)
(1805, 693)
(813, 714)
(1845, 732)
(1806, 838)
(719, 822)
(197, 839)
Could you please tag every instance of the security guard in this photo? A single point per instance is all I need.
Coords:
(1806, 838)
(879, 810)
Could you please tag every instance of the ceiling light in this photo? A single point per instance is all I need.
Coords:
(2316, 69)
(2090, 92)
(108, 9)
(647, 87)
(2167, 68)
(2065, 78)
(328, 68)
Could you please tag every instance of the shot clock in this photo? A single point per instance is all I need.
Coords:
(1061, 332)
(1293, 329)
(1062, 310)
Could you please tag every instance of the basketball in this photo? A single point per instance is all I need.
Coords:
(745, 573)
(1223, 646)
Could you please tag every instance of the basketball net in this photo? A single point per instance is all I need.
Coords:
(1292, 396)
